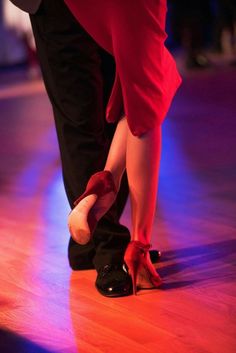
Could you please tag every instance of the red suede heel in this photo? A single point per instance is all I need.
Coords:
(83, 224)
(142, 272)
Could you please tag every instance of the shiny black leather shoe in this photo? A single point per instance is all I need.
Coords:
(114, 281)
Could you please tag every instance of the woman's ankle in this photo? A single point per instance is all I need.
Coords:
(117, 176)
(141, 239)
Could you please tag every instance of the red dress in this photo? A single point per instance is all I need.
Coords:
(133, 31)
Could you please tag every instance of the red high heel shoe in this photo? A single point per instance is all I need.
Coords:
(83, 218)
(143, 273)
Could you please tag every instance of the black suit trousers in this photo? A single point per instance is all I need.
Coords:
(78, 76)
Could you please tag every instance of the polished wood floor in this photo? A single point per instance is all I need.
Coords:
(46, 308)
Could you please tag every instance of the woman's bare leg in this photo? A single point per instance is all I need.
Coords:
(78, 219)
(141, 158)
(116, 160)
(142, 164)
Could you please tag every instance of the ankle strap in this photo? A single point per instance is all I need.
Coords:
(140, 245)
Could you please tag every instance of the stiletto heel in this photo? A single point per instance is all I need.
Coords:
(100, 193)
(133, 271)
(141, 270)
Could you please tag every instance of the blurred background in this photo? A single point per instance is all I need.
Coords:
(205, 30)
(202, 33)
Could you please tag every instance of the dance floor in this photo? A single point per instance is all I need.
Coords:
(46, 308)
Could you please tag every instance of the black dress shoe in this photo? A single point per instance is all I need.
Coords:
(114, 281)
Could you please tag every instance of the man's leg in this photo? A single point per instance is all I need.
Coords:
(71, 66)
